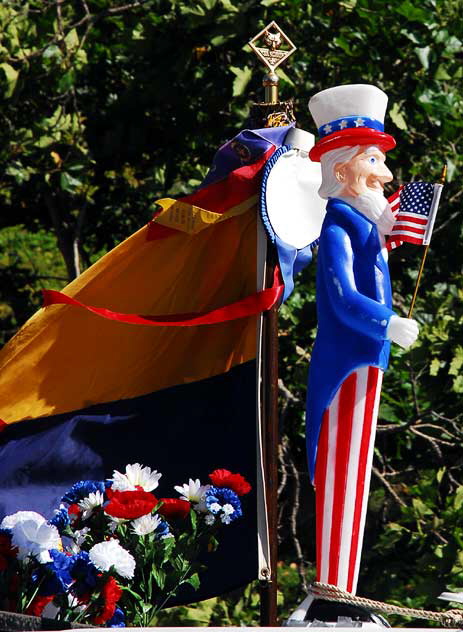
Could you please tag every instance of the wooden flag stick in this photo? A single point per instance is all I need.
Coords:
(272, 46)
(423, 259)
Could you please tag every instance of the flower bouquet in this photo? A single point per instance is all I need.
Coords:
(113, 551)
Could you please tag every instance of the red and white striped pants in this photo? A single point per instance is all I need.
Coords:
(342, 476)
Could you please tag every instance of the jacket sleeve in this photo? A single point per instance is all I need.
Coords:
(354, 309)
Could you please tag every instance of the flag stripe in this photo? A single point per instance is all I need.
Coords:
(372, 393)
(411, 238)
(407, 227)
(320, 485)
(352, 476)
(402, 217)
(342, 476)
(414, 208)
(343, 441)
(329, 486)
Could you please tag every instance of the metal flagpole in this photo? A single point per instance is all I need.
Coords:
(423, 259)
(270, 113)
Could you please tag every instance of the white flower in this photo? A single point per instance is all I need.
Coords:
(145, 524)
(115, 522)
(201, 506)
(32, 535)
(81, 534)
(12, 520)
(91, 502)
(136, 476)
(215, 508)
(225, 518)
(110, 553)
(228, 509)
(209, 519)
(192, 491)
(79, 537)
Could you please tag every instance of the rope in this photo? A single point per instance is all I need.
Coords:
(448, 619)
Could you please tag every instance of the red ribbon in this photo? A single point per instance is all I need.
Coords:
(249, 306)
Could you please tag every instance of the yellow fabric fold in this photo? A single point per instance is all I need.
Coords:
(64, 359)
(193, 219)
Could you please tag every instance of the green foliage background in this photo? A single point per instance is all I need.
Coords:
(107, 106)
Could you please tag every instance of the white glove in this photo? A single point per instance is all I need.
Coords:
(402, 331)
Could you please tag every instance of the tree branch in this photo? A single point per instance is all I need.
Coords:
(389, 487)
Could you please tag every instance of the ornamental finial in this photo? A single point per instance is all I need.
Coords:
(272, 55)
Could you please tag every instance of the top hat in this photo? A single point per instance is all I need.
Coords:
(349, 115)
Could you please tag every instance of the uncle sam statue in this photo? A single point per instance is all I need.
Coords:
(356, 323)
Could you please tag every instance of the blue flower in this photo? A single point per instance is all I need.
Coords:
(162, 530)
(60, 520)
(81, 490)
(84, 572)
(54, 577)
(117, 620)
(224, 502)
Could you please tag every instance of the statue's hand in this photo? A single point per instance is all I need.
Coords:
(402, 331)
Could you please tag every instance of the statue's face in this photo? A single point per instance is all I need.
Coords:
(365, 172)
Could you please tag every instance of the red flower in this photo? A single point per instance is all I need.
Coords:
(38, 604)
(74, 512)
(6, 550)
(111, 593)
(130, 505)
(235, 482)
(173, 508)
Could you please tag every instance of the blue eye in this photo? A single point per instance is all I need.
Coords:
(372, 160)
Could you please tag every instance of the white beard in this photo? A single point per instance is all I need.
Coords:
(375, 206)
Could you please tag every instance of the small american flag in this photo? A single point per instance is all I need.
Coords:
(414, 207)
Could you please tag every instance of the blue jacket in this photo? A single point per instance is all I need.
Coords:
(353, 308)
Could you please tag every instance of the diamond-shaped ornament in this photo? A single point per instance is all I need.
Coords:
(272, 56)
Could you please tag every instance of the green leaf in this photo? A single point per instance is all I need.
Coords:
(397, 117)
(285, 77)
(457, 385)
(159, 577)
(457, 361)
(421, 509)
(349, 5)
(412, 12)
(229, 6)
(434, 367)
(68, 182)
(458, 498)
(11, 76)
(72, 40)
(242, 78)
(451, 170)
(193, 581)
(66, 81)
(440, 474)
(423, 56)
(194, 520)
(441, 73)
(343, 43)
(52, 52)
